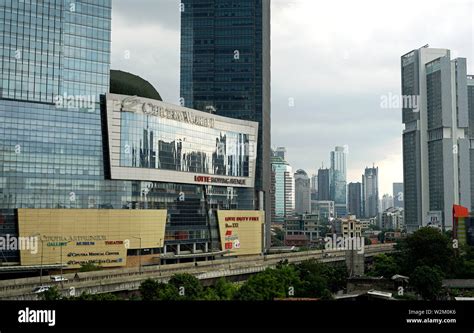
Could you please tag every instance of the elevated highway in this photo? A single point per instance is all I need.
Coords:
(129, 279)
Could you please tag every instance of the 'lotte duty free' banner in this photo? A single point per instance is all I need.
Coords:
(241, 231)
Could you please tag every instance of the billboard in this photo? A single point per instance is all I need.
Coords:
(151, 140)
(434, 218)
(241, 231)
(74, 237)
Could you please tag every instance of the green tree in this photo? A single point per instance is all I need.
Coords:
(316, 276)
(278, 237)
(52, 294)
(426, 246)
(384, 265)
(189, 287)
(224, 289)
(152, 290)
(89, 267)
(269, 284)
(149, 289)
(427, 281)
(319, 279)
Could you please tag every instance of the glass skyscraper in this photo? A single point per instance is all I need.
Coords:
(339, 179)
(370, 192)
(54, 152)
(51, 156)
(435, 139)
(225, 69)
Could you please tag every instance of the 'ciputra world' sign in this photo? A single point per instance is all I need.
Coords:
(162, 110)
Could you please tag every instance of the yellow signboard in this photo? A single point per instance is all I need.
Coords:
(241, 231)
(79, 236)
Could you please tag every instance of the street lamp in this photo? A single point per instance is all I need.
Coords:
(139, 254)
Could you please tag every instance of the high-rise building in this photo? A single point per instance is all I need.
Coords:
(324, 181)
(354, 201)
(370, 192)
(385, 203)
(283, 191)
(80, 162)
(436, 166)
(314, 187)
(470, 101)
(302, 192)
(225, 68)
(338, 182)
(398, 198)
(280, 152)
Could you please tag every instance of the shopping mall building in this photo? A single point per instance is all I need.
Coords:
(107, 178)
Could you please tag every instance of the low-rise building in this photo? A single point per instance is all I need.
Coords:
(305, 224)
(393, 219)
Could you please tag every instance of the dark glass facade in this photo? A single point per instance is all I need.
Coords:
(52, 155)
(435, 143)
(411, 142)
(225, 68)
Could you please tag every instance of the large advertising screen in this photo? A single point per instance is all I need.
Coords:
(241, 231)
(75, 237)
(155, 141)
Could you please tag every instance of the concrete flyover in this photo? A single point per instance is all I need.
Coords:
(129, 279)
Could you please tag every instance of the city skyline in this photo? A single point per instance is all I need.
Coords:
(329, 79)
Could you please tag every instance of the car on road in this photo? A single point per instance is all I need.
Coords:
(41, 289)
(58, 278)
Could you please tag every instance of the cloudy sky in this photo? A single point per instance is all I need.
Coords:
(332, 63)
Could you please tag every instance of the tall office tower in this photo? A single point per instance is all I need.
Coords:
(470, 100)
(314, 187)
(225, 68)
(435, 140)
(338, 182)
(302, 192)
(280, 152)
(50, 49)
(354, 201)
(398, 198)
(324, 181)
(370, 192)
(283, 190)
(78, 162)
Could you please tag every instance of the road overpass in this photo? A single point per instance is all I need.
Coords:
(129, 279)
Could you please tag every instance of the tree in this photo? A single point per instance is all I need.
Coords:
(384, 265)
(152, 290)
(89, 267)
(269, 284)
(225, 290)
(426, 246)
(316, 277)
(149, 290)
(278, 237)
(189, 287)
(52, 294)
(427, 281)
